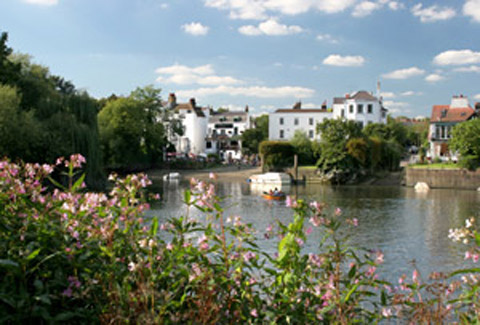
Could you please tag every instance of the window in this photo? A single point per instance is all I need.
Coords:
(351, 108)
(370, 109)
(311, 134)
(235, 130)
(310, 121)
(209, 144)
(360, 108)
(281, 134)
(295, 121)
(383, 114)
(437, 132)
(342, 113)
(281, 121)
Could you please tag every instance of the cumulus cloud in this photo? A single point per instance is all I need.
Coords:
(404, 73)
(434, 77)
(184, 75)
(327, 38)
(261, 9)
(271, 28)
(344, 61)
(476, 97)
(42, 2)
(365, 8)
(196, 29)
(253, 91)
(432, 13)
(387, 94)
(472, 68)
(457, 57)
(472, 8)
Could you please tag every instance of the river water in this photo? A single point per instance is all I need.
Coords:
(407, 226)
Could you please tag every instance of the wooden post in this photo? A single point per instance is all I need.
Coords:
(295, 167)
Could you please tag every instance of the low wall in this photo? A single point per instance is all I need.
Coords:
(444, 178)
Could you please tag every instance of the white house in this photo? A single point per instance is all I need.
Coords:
(194, 120)
(361, 107)
(443, 119)
(283, 123)
(224, 132)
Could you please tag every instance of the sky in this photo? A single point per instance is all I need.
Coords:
(266, 54)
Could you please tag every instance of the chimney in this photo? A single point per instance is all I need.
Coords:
(246, 109)
(347, 96)
(324, 105)
(172, 100)
(193, 103)
(297, 105)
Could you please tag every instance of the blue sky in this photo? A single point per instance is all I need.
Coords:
(262, 53)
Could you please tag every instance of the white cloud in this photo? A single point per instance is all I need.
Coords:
(253, 91)
(365, 8)
(278, 64)
(196, 29)
(387, 95)
(344, 61)
(393, 104)
(261, 9)
(476, 97)
(327, 38)
(433, 13)
(472, 68)
(404, 73)
(457, 57)
(202, 75)
(271, 28)
(394, 5)
(164, 5)
(472, 8)
(409, 93)
(42, 2)
(434, 77)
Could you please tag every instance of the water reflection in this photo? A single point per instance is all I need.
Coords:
(404, 224)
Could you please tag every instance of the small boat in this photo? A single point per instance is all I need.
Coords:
(276, 197)
(171, 176)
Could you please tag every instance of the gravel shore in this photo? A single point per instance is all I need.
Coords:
(224, 173)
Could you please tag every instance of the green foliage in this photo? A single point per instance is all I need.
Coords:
(276, 155)
(357, 148)
(466, 141)
(470, 162)
(252, 138)
(304, 148)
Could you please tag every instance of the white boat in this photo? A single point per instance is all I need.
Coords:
(171, 176)
(271, 178)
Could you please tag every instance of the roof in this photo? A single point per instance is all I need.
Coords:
(338, 100)
(443, 113)
(306, 110)
(228, 116)
(363, 95)
(188, 106)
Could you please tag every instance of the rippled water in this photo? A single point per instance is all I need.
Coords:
(404, 224)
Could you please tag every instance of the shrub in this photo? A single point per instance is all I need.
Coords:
(469, 162)
(276, 155)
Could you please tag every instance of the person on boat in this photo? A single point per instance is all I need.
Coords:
(270, 192)
(275, 192)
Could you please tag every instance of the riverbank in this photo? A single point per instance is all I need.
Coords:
(224, 173)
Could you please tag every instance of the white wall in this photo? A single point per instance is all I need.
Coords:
(289, 126)
(364, 117)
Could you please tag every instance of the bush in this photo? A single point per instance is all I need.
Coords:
(276, 155)
(469, 162)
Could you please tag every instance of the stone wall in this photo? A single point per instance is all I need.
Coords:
(444, 178)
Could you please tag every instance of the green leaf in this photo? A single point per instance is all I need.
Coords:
(33, 254)
(79, 182)
(187, 196)
(154, 227)
(474, 270)
(354, 288)
(57, 184)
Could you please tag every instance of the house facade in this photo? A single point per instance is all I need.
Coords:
(224, 133)
(194, 120)
(362, 107)
(284, 122)
(442, 120)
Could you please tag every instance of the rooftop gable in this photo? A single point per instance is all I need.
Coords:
(443, 113)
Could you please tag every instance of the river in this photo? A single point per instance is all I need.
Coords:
(404, 224)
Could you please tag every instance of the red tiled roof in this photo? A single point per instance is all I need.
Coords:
(306, 110)
(443, 113)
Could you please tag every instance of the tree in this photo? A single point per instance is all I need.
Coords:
(303, 148)
(466, 141)
(251, 138)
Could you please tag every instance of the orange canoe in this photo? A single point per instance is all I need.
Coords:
(278, 197)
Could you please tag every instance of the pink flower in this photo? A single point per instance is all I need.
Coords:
(299, 241)
(309, 230)
(288, 201)
(248, 256)
(415, 276)
(254, 313)
(475, 258)
(212, 175)
(355, 222)
(468, 255)
(169, 246)
(386, 312)
(338, 212)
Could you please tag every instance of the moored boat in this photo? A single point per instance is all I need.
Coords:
(275, 197)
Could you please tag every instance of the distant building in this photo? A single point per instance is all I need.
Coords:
(194, 120)
(283, 123)
(361, 107)
(224, 133)
(443, 119)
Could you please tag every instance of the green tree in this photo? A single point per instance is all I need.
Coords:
(466, 141)
(251, 138)
(303, 148)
